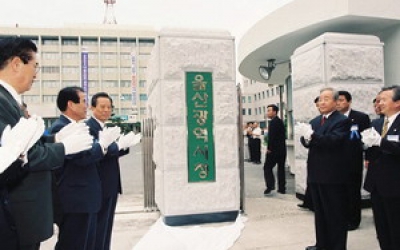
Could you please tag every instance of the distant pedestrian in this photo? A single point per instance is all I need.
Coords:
(256, 143)
(276, 152)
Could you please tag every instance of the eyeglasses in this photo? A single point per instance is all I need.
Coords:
(26, 60)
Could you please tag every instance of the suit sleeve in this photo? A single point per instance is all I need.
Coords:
(335, 138)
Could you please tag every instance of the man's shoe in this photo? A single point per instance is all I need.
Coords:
(282, 191)
(268, 192)
(313, 248)
(351, 227)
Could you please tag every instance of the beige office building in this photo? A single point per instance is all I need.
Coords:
(116, 63)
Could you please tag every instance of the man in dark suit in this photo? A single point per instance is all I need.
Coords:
(109, 171)
(31, 199)
(383, 174)
(276, 152)
(327, 172)
(78, 187)
(359, 122)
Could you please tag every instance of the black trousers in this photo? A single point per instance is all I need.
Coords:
(256, 148)
(77, 231)
(271, 160)
(354, 194)
(105, 221)
(387, 220)
(330, 213)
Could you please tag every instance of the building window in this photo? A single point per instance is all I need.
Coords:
(259, 96)
(126, 70)
(109, 56)
(92, 56)
(108, 70)
(49, 98)
(243, 111)
(71, 83)
(142, 111)
(69, 41)
(142, 83)
(51, 41)
(249, 111)
(272, 92)
(267, 93)
(256, 111)
(125, 84)
(70, 55)
(143, 97)
(263, 95)
(31, 98)
(249, 99)
(255, 97)
(126, 97)
(50, 70)
(70, 70)
(50, 56)
(51, 84)
(259, 110)
(89, 42)
(243, 99)
(264, 110)
(110, 84)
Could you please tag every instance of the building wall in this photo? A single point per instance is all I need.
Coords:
(110, 65)
(256, 96)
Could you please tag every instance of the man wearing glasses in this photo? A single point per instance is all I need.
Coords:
(31, 199)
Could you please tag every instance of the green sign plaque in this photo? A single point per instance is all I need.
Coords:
(199, 102)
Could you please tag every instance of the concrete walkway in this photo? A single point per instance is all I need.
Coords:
(273, 222)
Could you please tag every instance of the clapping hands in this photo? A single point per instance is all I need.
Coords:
(304, 130)
(370, 137)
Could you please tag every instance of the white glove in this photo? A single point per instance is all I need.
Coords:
(7, 156)
(108, 136)
(371, 137)
(38, 133)
(71, 129)
(76, 143)
(304, 129)
(128, 140)
(20, 135)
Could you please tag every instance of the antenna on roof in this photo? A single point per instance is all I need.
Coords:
(109, 17)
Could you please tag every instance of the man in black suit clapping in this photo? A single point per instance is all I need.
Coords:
(327, 172)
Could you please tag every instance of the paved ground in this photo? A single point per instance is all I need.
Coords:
(272, 222)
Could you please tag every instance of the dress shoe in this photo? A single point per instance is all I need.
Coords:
(313, 248)
(351, 227)
(302, 206)
(268, 192)
(282, 191)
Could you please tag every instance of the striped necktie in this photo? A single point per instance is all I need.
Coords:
(385, 127)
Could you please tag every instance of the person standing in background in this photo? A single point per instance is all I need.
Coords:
(256, 143)
(359, 122)
(109, 170)
(276, 152)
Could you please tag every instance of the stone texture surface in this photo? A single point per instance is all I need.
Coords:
(176, 52)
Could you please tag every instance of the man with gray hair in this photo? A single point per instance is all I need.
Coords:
(326, 172)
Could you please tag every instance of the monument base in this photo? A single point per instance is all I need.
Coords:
(190, 219)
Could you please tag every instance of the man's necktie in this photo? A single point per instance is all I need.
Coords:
(323, 119)
(385, 127)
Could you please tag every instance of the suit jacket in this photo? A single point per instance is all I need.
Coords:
(383, 173)
(326, 161)
(276, 137)
(31, 198)
(9, 179)
(354, 149)
(108, 168)
(78, 182)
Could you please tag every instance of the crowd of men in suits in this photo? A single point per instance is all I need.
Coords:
(70, 177)
(341, 141)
